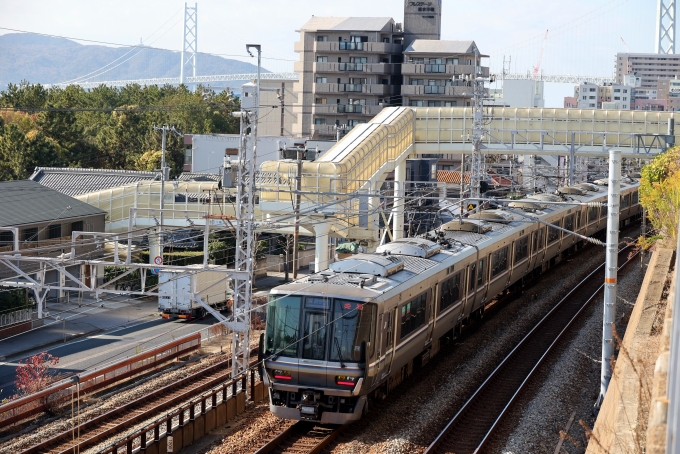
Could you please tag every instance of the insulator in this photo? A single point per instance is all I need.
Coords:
(595, 204)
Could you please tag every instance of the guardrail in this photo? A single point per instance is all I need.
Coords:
(19, 409)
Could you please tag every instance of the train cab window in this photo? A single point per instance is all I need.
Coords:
(314, 341)
(625, 201)
(592, 214)
(539, 239)
(499, 262)
(569, 222)
(283, 320)
(480, 274)
(635, 199)
(553, 233)
(521, 249)
(352, 325)
(450, 292)
(413, 315)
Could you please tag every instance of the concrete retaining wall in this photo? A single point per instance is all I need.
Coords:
(622, 421)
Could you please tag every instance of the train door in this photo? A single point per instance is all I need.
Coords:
(386, 343)
(466, 301)
(432, 319)
(481, 281)
(315, 333)
(471, 286)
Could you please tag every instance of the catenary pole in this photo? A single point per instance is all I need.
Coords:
(611, 268)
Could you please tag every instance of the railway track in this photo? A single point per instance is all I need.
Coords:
(470, 429)
(302, 437)
(114, 422)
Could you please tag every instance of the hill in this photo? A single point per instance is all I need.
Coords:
(47, 60)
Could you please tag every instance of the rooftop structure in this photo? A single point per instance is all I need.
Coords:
(73, 181)
(422, 20)
(648, 67)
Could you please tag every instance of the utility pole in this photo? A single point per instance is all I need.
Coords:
(477, 165)
(611, 269)
(245, 222)
(296, 234)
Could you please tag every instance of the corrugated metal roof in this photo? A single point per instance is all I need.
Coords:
(339, 24)
(72, 181)
(433, 46)
(27, 202)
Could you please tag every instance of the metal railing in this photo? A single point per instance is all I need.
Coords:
(350, 87)
(11, 318)
(351, 46)
(351, 66)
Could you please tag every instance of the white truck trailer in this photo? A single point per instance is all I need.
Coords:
(175, 293)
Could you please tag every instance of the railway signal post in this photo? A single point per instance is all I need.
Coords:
(611, 268)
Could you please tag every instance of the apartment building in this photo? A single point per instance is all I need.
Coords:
(669, 91)
(349, 69)
(592, 96)
(648, 67)
(422, 20)
(434, 73)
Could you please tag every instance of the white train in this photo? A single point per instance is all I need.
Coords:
(337, 337)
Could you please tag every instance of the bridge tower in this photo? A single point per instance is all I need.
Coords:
(665, 27)
(189, 43)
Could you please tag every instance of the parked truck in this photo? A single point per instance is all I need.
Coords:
(176, 290)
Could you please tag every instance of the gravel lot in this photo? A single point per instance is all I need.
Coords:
(409, 419)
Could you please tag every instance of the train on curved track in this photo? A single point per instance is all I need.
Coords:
(337, 337)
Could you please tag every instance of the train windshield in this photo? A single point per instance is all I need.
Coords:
(283, 322)
(352, 325)
(325, 328)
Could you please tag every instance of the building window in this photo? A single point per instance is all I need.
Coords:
(434, 104)
(617, 98)
(30, 234)
(617, 90)
(6, 238)
(187, 155)
(54, 231)
(386, 40)
(319, 121)
(320, 101)
(322, 59)
(450, 103)
(417, 82)
(451, 61)
(321, 80)
(321, 38)
(358, 39)
(353, 123)
(416, 103)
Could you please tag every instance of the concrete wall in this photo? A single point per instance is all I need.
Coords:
(620, 427)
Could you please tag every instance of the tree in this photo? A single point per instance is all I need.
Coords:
(660, 193)
(35, 374)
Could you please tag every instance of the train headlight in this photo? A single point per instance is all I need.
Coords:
(345, 380)
(282, 375)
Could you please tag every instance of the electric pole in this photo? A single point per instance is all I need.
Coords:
(296, 234)
(165, 174)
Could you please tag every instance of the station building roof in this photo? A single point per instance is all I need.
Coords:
(74, 181)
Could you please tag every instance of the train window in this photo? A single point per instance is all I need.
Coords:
(352, 325)
(521, 249)
(592, 214)
(471, 278)
(577, 224)
(413, 315)
(450, 292)
(480, 274)
(604, 209)
(499, 261)
(636, 198)
(569, 222)
(283, 320)
(553, 233)
(538, 239)
(625, 199)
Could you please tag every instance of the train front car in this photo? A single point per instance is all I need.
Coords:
(317, 344)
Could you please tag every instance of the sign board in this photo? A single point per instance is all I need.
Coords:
(155, 271)
(158, 260)
(471, 206)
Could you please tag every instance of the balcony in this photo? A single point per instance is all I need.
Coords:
(375, 48)
(345, 109)
(412, 69)
(366, 68)
(422, 90)
(369, 89)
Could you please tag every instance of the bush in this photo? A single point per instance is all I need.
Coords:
(660, 194)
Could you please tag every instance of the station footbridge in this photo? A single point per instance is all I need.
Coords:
(342, 192)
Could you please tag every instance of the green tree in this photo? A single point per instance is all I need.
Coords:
(660, 193)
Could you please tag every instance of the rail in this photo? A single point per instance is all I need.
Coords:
(19, 409)
(481, 415)
(302, 436)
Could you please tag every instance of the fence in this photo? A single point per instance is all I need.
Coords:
(22, 315)
(19, 409)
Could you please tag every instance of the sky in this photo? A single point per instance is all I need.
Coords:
(583, 35)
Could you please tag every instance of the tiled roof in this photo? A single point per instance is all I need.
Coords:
(73, 182)
(195, 176)
(26, 202)
(339, 24)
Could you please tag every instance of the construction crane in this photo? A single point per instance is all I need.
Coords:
(540, 57)
(625, 44)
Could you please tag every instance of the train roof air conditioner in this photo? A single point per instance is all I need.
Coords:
(467, 225)
(415, 247)
(373, 264)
